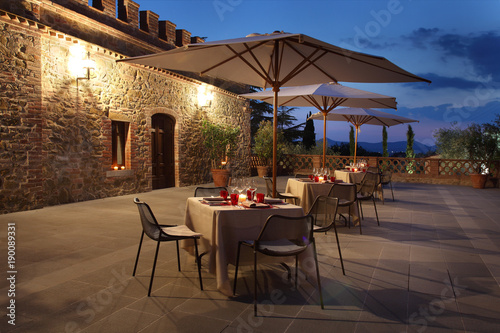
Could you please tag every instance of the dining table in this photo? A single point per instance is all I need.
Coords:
(348, 176)
(307, 190)
(355, 177)
(224, 225)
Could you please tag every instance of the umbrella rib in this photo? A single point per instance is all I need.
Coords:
(381, 103)
(239, 55)
(346, 55)
(306, 60)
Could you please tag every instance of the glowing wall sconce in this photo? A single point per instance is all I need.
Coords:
(205, 96)
(79, 63)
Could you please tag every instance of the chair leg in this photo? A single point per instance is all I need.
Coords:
(360, 207)
(153, 270)
(178, 257)
(255, 282)
(138, 251)
(296, 270)
(338, 245)
(317, 275)
(359, 218)
(375, 206)
(198, 261)
(392, 192)
(236, 269)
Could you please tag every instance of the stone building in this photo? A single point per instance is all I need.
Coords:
(69, 133)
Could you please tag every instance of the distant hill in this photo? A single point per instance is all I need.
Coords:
(392, 147)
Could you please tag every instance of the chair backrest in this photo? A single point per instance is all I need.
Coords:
(324, 210)
(269, 186)
(301, 175)
(385, 177)
(298, 230)
(373, 169)
(369, 184)
(208, 191)
(344, 191)
(148, 220)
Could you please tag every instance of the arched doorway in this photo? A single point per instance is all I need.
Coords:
(162, 149)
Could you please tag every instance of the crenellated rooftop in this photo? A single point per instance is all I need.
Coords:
(123, 26)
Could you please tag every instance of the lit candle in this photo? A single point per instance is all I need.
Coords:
(321, 179)
(115, 167)
(123, 167)
(243, 197)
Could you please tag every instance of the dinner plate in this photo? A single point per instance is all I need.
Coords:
(214, 199)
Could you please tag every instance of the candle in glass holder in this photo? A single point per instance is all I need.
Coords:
(243, 197)
(321, 178)
(123, 167)
(115, 167)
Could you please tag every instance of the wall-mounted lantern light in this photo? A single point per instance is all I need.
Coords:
(80, 63)
(205, 96)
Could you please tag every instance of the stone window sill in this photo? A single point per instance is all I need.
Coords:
(119, 173)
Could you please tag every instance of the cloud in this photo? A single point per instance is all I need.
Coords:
(439, 81)
(420, 37)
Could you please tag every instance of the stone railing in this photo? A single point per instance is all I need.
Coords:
(419, 170)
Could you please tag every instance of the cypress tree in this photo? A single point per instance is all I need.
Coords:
(352, 142)
(385, 153)
(309, 136)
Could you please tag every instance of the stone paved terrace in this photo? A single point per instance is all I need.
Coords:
(432, 266)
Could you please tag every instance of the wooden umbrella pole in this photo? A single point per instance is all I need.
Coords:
(356, 144)
(324, 138)
(275, 139)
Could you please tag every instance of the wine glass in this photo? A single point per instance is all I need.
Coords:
(252, 187)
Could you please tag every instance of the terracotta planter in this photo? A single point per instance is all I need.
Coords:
(478, 181)
(220, 176)
(263, 170)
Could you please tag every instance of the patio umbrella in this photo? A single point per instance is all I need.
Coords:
(277, 60)
(326, 97)
(361, 116)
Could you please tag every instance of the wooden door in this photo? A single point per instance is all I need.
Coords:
(162, 148)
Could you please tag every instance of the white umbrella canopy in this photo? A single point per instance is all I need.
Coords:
(326, 97)
(277, 60)
(361, 116)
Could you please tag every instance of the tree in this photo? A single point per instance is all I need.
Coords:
(385, 153)
(410, 139)
(309, 135)
(450, 142)
(352, 142)
(263, 146)
(286, 123)
(410, 153)
(261, 111)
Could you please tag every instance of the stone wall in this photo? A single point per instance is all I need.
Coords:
(55, 131)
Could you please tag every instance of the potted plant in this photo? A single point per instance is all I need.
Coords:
(221, 142)
(481, 146)
(263, 147)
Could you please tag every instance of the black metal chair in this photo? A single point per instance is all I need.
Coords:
(346, 193)
(163, 233)
(279, 195)
(208, 191)
(301, 175)
(366, 192)
(324, 211)
(386, 179)
(281, 236)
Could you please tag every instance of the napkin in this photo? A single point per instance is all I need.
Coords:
(251, 204)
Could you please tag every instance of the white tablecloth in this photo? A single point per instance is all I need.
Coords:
(356, 178)
(307, 191)
(222, 227)
(349, 177)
